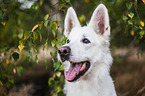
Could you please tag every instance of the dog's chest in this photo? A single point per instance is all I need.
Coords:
(82, 89)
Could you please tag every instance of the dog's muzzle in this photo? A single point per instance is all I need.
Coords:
(76, 69)
(64, 53)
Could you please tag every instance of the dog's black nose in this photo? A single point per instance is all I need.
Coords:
(64, 53)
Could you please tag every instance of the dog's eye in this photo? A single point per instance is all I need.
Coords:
(67, 41)
(86, 41)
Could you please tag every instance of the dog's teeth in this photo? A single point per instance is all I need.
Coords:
(83, 66)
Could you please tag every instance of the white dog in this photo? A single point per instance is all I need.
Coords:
(86, 55)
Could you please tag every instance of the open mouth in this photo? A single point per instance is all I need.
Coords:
(76, 70)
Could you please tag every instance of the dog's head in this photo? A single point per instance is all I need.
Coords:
(87, 46)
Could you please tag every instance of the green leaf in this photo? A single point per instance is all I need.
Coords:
(53, 25)
(59, 38)
(60, 30)
(19, 69)
(21, 42)
(51, 81)
(46, 17)
(20, 35)
(57, 89)
(15, 56)
(130, 22)
(46, 23)
(125, 17)
(35, 50)
(54, 33)
(36, 59)
(35, 35)
(64, 39)
(58, 44)
(62, 6)
(129, 5)
(40, 36)
(44, 46)
(41, 2)
(26, 35)
(51, 54)
(54, 94)
(61, 68)
(30, 54)
(56, 65)
(46, 65)
(3, 11)
(135, 4)
(11, 81)
(53, 43)
(60, 93)
(40, 25)
(141, 33)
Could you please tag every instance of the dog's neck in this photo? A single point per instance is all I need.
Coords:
(93, 84)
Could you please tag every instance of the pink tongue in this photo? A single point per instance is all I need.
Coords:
(72, 72)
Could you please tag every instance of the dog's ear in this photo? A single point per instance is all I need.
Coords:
(100, 21)
(71, 21)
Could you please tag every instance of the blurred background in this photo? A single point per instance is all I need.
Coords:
(31, 31)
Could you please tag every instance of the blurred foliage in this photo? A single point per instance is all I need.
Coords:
(24, 29)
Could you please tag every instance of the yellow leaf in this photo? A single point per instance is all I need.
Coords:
(131, 15)
(7, 61)
(54, 75)
(1, 83)
(46, 17)
(58, 74)
(36, 26)
(142, 23)
(81, 19)
(21, 47)
(53, 25)
(132, 32)
(3, 23)
(86, 1)
(140, 27)
(143, 1)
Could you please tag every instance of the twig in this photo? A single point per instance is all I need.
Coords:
(29, 36)
(54, 13)
(56, 3)
(136, 12)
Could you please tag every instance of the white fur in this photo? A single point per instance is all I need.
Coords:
(97, 81)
